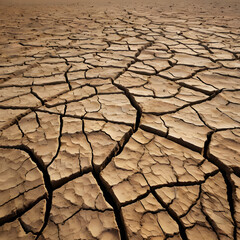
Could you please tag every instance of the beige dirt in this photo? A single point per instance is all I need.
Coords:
(119, 120)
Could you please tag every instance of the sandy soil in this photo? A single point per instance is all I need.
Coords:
(212, 7)
(119, 120)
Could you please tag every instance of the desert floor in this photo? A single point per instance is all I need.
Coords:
(119, 120)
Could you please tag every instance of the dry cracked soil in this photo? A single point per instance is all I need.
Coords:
(120, 120)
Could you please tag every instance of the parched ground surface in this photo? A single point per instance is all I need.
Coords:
(119, 123)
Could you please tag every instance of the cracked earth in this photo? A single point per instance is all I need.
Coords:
(119, 124)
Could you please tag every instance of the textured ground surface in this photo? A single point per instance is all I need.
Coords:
(119, 123)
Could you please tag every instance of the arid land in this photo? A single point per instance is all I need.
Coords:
(119, 120)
